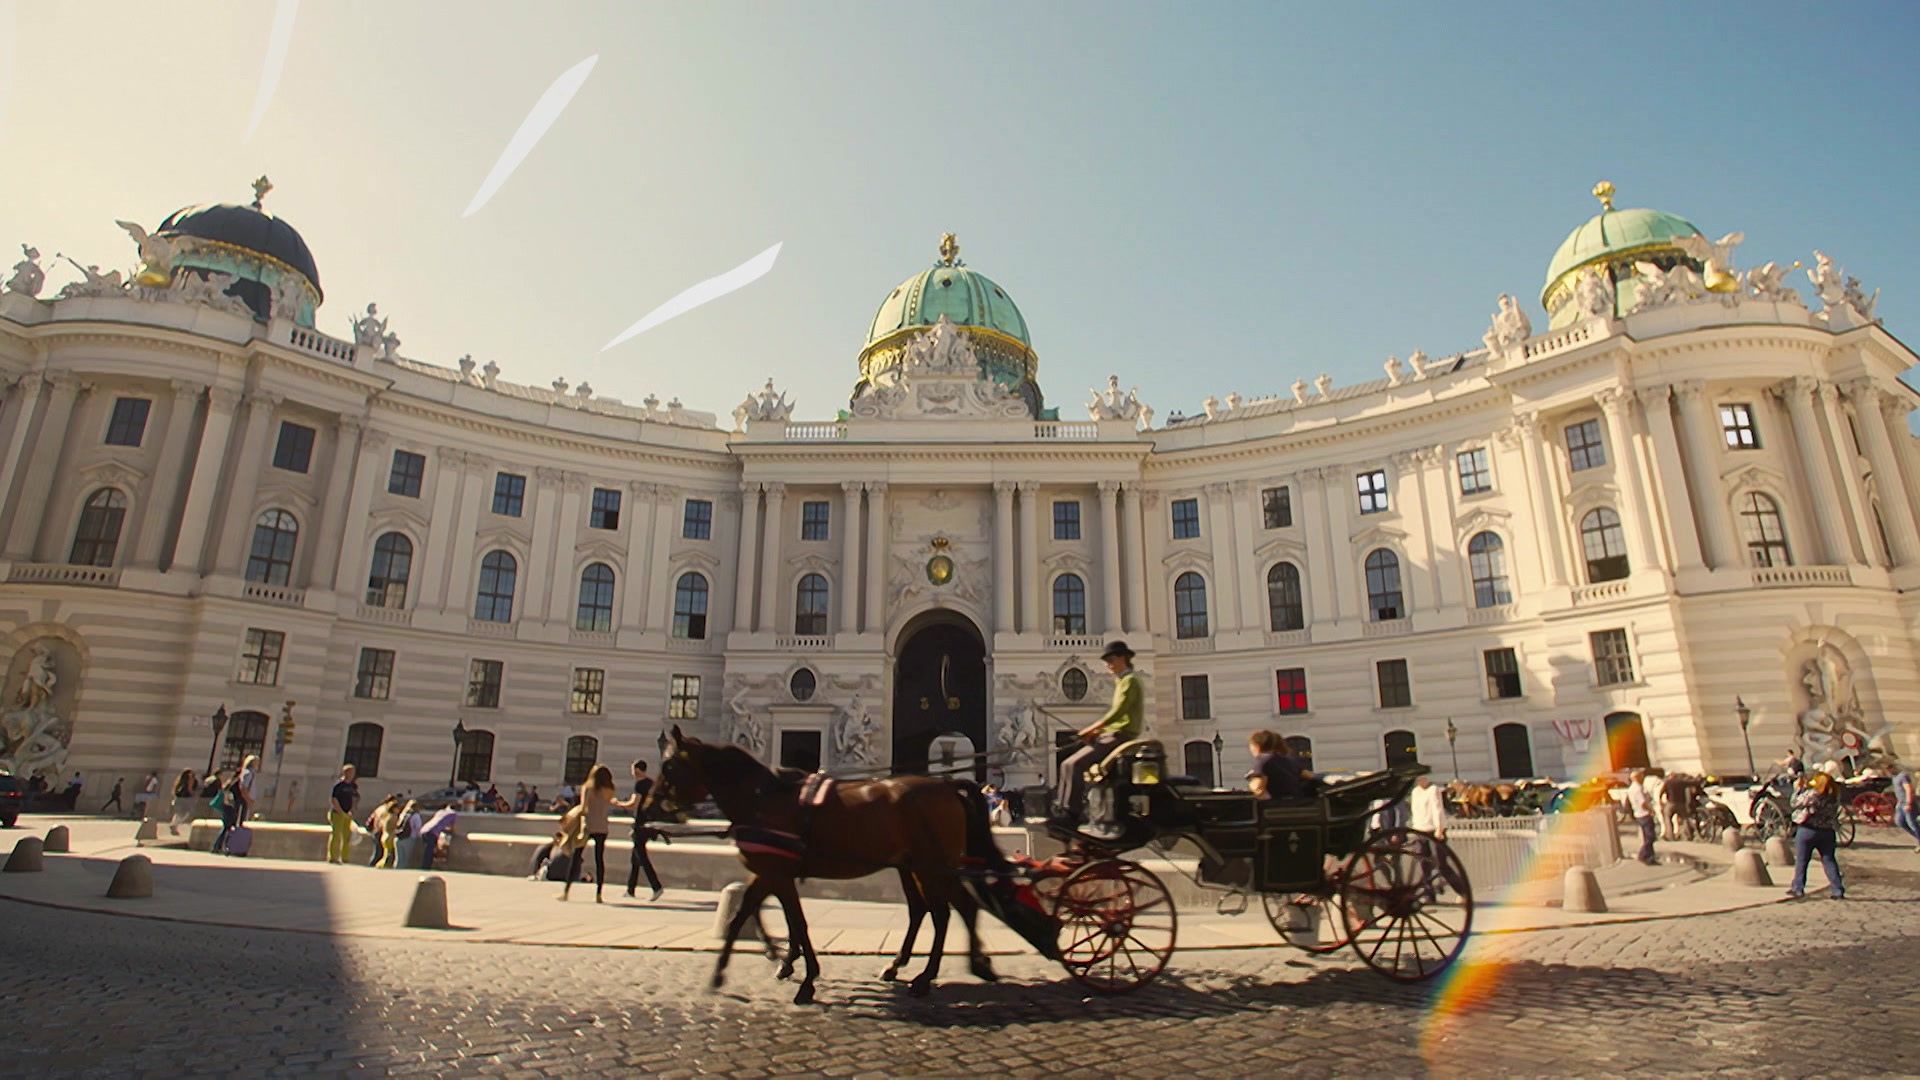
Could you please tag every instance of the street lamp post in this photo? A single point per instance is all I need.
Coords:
(1453, 733)
(1219, 746)
(1745, 714)
(662, 743)
(459, 741)
(219, 725)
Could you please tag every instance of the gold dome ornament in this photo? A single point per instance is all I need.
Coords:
(260, 189)
(1604, 192)
(940, 569)
(949, 250)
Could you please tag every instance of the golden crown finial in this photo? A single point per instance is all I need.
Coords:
(949, 249)
(1604, 192)
(260, 189)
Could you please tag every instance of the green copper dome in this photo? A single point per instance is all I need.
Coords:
(1613, 237)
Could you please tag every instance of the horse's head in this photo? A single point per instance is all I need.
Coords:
(682, 781)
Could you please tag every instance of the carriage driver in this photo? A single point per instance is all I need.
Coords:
(1124, 720)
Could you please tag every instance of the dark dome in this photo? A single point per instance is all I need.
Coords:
(245, 227)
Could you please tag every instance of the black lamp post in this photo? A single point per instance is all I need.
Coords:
(1745, 714)
(459, 741)
(1219, 746)
(219, 725)
(1453, 733)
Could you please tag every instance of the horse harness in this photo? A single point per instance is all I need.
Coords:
(813, 793)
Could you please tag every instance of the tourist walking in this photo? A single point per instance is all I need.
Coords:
(113, 800)
(226, 803)
(1816, 812)
(642, 786)
(340, 816)
(1906, 803)
(1640, 804)
(596, 805)
(1427, 805)
(143, 799)
(406, 832)
(249, 769)
(380, 825)
(186, 789)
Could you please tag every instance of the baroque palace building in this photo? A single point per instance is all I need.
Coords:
(1694, 488)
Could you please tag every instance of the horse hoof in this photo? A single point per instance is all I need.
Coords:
(785, 972)
(805, 996)
(718, 982)
(920, 987)
(983, 970)
(892, 974)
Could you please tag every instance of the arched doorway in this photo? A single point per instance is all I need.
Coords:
(1626, 741)
(939, 688)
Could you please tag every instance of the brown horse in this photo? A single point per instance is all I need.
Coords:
(921, 826)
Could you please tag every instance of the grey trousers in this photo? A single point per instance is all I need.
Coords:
(1073, 771)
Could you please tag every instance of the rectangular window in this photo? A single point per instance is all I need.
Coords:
(1612, 662)
(1372, 487)
(698, 522)
(1066, 519)
(1291, 685)
(129, 423)
(408, 471)
(606, 509)
(260, 658)
(1276, 507)
(1196, 703)
(1186, 519)
(374, 679)
(814, 515)
(1736, 423)
(1475, 476)
(509, 494)
(483, 684)
(1503, 673)
(683, 697)
(1585, 450)
(294, 452)
(589, 687)
(1395, 691)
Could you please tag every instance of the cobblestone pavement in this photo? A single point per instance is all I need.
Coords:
(1748, 993)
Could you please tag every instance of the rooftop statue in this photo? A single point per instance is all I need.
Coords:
(1593, 294)
(368, 328)
(1717, 257)
(95, 283)
(1510, 329)
(1114, 405)
(1394, 371)
(1417, 360)
(1838, 291)
(1769, 282)
(1660, 287)
(156, 255)
(1299, 391)
(27, 278)
(1323, 385)
(768, 406)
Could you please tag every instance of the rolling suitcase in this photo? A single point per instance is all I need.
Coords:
(240, 840)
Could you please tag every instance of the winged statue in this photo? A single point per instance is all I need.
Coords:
(1716, 256)
(156, 254)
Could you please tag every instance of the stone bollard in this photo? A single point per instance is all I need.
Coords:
(1581, 891)
(1778, 854)
(26, 856)
(1750, 869)
(149, 830)
(429, 908)
(133, 880)
(1730, 838)
(58, 840)
(731, 898)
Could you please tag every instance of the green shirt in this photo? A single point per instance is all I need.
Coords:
(1127, 716)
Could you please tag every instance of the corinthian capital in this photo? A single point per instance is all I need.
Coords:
(1862, 391)
(774, 489)
(1689, 389)
(1108, 488)
(223, 399)
(1611, 399)
(1654, 396)
(850, 487)
(1800, 389)
(186, 391)
(876, 487)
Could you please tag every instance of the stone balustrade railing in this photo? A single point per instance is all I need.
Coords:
(100, 577)
(1075, 430)
(1599, 594)
(1779, 577)
(816, 431)
(803, 642)
(274, 594)
(1381, 628)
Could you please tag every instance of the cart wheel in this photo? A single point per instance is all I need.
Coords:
(1323, 910)
(1117, 926)
(1874, 807)
(1770, 819)
(1848, 825)
(1407, 904)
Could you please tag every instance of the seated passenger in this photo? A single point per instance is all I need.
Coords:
(1276, 773)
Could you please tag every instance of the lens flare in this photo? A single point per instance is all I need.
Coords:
(702, 293)
(278, 41)
(540, 118)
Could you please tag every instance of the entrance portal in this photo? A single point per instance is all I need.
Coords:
(939, 689)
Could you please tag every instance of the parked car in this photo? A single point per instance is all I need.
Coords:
(13, 799)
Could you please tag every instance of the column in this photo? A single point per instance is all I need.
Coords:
(876, 570)
(1674, 482)
(236, 528)
(563, 587)
(169, 473)
(1811, 443)
(476, 481)
(189, 548)
(1634, 510)
(772, 528)
(1903, 447)
(1336, 488)
(1110, 601)
(1032, 620)
(660, 585)
(449, 482)
(1130, 556)
(1436, 527)
(1846, 455)
(1226, 570)
(348, 573)
(1252, 585)
(1543, 488)
(324, 554)
(16, 417)
(639, 521)
(1699, 434)
(1003, 564)
(744, 563)
(847, 594)
(1896, 513)
(1322, 599)
(36, 481)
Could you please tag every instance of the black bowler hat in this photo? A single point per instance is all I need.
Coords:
(1117, 648)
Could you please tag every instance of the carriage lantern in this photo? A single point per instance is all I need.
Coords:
(1745, 714)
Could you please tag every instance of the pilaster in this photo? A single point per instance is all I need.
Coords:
(189, 549)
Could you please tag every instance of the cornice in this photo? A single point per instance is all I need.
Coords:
(567, 442)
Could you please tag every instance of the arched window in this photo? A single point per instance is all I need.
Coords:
(810, 606)
(1400, 748)
(1512, 751)
(498, 574)
(1190, 606)
(1073, 684)
(1284, 609)
(363, 749)
(246, 734)
(583, 753)
(1302, 748)
(1069, 605)
(392, 568)
(690, 607)
(1766, 534)
(1199, 762)
(802, 684)
(596, 598)
(1605, 544)
(271, 562)
(1384, 601)
(98, 537)
(1487, 560)
(475, 760)
(1626, 741)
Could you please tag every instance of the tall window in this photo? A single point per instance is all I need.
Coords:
(1736, 424)
(1396, 689)
(810, 606)
(1400, 748)
(129, 423)
(294, 451)
(595, 611)
(1285, 611)
(1383, 586)
(814, 516)
(246, 736)
(1291, 686)
(98, 539)
(363, 749)
(1197, 757)
(589, 691)
(1190, 606)
(606, 509)
(1196, 700)
(1612, 660)
(583, 753)
(1066, 519)
(1503, 673)
(373, 679)
(1186, 519)
(1069, 605)
(1512, 751)
(392, 567)
(407, 473)
(483, 684)
(697, 522)
(1475, 475)
(690, 607)
(1276, 507)
(683, 697)
(499, 572)
(1605, 545)
(260, 657)
(475, 763)
(1766, 534)
(271, 561)
(1372, 486)
(509, 494)
(1073, 684)
(1585, 448)
(1487, 561)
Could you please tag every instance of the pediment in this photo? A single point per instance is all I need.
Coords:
(1067, 560)
(499, 538)
(812, 562)
(1379, 535)
(1281, 547)
(403, 518)
(1195, 556)
(694, 557)
(600, 551)
(1483, 519)
(283, 493)
(110, 473)
(1754, 474)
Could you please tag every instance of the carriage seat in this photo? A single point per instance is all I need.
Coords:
(1149, 758)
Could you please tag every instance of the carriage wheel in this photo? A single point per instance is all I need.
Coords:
(1847, 826)
(1407, 904)
(1874, 807)
(1324, 907)
(1771, 819)
(1117, 926)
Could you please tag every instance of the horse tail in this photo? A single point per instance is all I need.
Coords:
(980, 842)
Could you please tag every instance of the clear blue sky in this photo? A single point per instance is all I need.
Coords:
(1200, 198)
